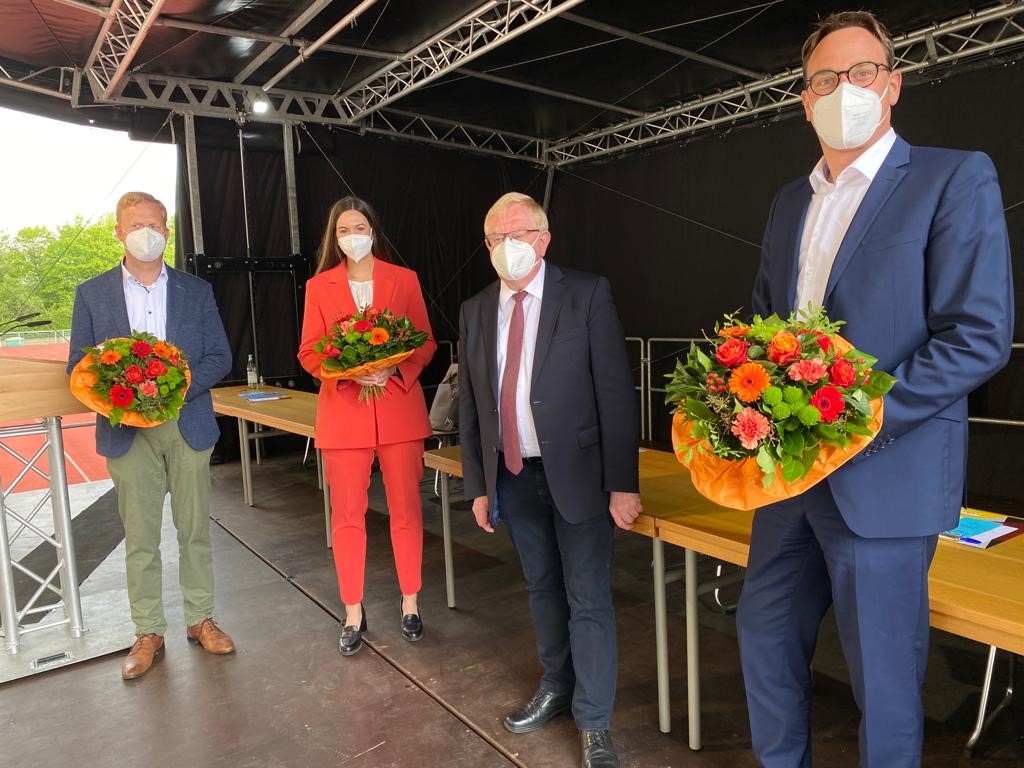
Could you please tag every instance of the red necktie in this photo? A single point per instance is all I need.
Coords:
(509, 379)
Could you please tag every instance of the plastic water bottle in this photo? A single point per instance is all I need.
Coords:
(250, 374)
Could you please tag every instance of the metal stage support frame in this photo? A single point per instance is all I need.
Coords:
(62, 581)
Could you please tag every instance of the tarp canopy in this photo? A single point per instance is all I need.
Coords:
(540, 72)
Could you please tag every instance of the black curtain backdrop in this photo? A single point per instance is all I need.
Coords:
(676, 229)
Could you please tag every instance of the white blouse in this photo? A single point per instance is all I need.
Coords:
(362, 292)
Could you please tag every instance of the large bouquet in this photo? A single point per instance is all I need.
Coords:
(367, 342)
(138, 381)
(773, 407)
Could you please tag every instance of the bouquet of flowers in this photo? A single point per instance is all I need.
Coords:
(139, 381)
(367, 342)
(773, 407)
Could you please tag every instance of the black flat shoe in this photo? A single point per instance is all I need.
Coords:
(597, 749)
(352, 637)
(412, 627)
(537, 712)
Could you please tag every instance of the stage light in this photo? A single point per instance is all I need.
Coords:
(260, 105)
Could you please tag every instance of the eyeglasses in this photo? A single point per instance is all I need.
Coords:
(825, 81)
(493, 241)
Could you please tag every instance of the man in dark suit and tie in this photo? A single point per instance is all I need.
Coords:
(908, 245)
(143, 294)
(549, 446)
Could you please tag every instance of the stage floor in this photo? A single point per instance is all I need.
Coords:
(287, 698)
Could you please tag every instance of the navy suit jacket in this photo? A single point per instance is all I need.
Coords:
(193, 325)
(581, 395)
(923, 281)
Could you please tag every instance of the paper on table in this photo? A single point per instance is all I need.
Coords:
(974, 532)
(261, 395)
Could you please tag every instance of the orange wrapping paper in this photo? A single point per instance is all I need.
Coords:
(737, 484)
(82, 381)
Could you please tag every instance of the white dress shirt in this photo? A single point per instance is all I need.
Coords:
(362, 293)
(146, 304)
(833, 206)
(528, 443)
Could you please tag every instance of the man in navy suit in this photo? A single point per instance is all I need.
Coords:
(549, 444)
(143, 294)
(909, 246)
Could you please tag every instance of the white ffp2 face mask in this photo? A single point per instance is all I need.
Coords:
(145, 244)
(848, 117)
(513, 259)
(356, 247)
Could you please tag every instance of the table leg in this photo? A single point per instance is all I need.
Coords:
(984, 722)
(327, 500)
(692, 651)
(661, 636)
(243, 450)
(446, 525)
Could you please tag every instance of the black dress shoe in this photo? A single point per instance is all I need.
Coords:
(537, 712)
(352, 637)
(598, 751)
(412, 627)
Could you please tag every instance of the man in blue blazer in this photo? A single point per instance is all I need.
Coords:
(143, 294)
(909, 246)
(549, 444)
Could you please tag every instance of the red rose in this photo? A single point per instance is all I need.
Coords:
(155, 368)
(331, 351)
(363, 326)
(842, 373)
(120, 396)
(732, 352)
(141, 348)
(823, 341)
(371, 313)
(829, 401)
(133, 374)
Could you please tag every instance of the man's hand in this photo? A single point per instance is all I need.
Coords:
(624, 507)
(480, 512)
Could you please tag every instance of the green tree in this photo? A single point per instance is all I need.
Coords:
(40, 268)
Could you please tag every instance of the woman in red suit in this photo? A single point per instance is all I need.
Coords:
(353, 271)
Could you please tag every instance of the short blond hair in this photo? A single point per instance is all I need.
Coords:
(844, 20)
(129, 199)
(506, 201)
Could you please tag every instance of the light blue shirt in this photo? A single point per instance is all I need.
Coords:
(146, 304)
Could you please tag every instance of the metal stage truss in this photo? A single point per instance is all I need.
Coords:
(368, 107)
(62, 580)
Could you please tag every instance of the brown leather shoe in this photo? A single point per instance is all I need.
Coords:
(211, 637)
(140, 657)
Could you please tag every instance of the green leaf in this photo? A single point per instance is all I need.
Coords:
(766, 461)
(698, 410)
(854, 428)
(793, 443)
(810, 456)
(701, 358)
(792, 469)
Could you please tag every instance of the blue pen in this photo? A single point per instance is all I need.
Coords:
(969, 540)
(964, 539)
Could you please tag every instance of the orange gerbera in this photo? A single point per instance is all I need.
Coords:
(379, 336)
(109, 356)
(748, 382)
(162, 350)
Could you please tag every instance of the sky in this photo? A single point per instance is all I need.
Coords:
(52, 170)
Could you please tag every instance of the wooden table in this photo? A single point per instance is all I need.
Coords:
(977, 594)
(294, 415)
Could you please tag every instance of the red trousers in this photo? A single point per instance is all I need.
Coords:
(347, 472)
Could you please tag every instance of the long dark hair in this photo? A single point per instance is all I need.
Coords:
(329, 254)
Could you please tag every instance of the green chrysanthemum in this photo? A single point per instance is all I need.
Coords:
(781, 412)
(809, 415)
(793, 395)
(772, 396)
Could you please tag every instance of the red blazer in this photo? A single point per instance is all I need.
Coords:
(398, 416)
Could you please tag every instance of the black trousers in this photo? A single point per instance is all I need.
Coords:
(567, 567)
